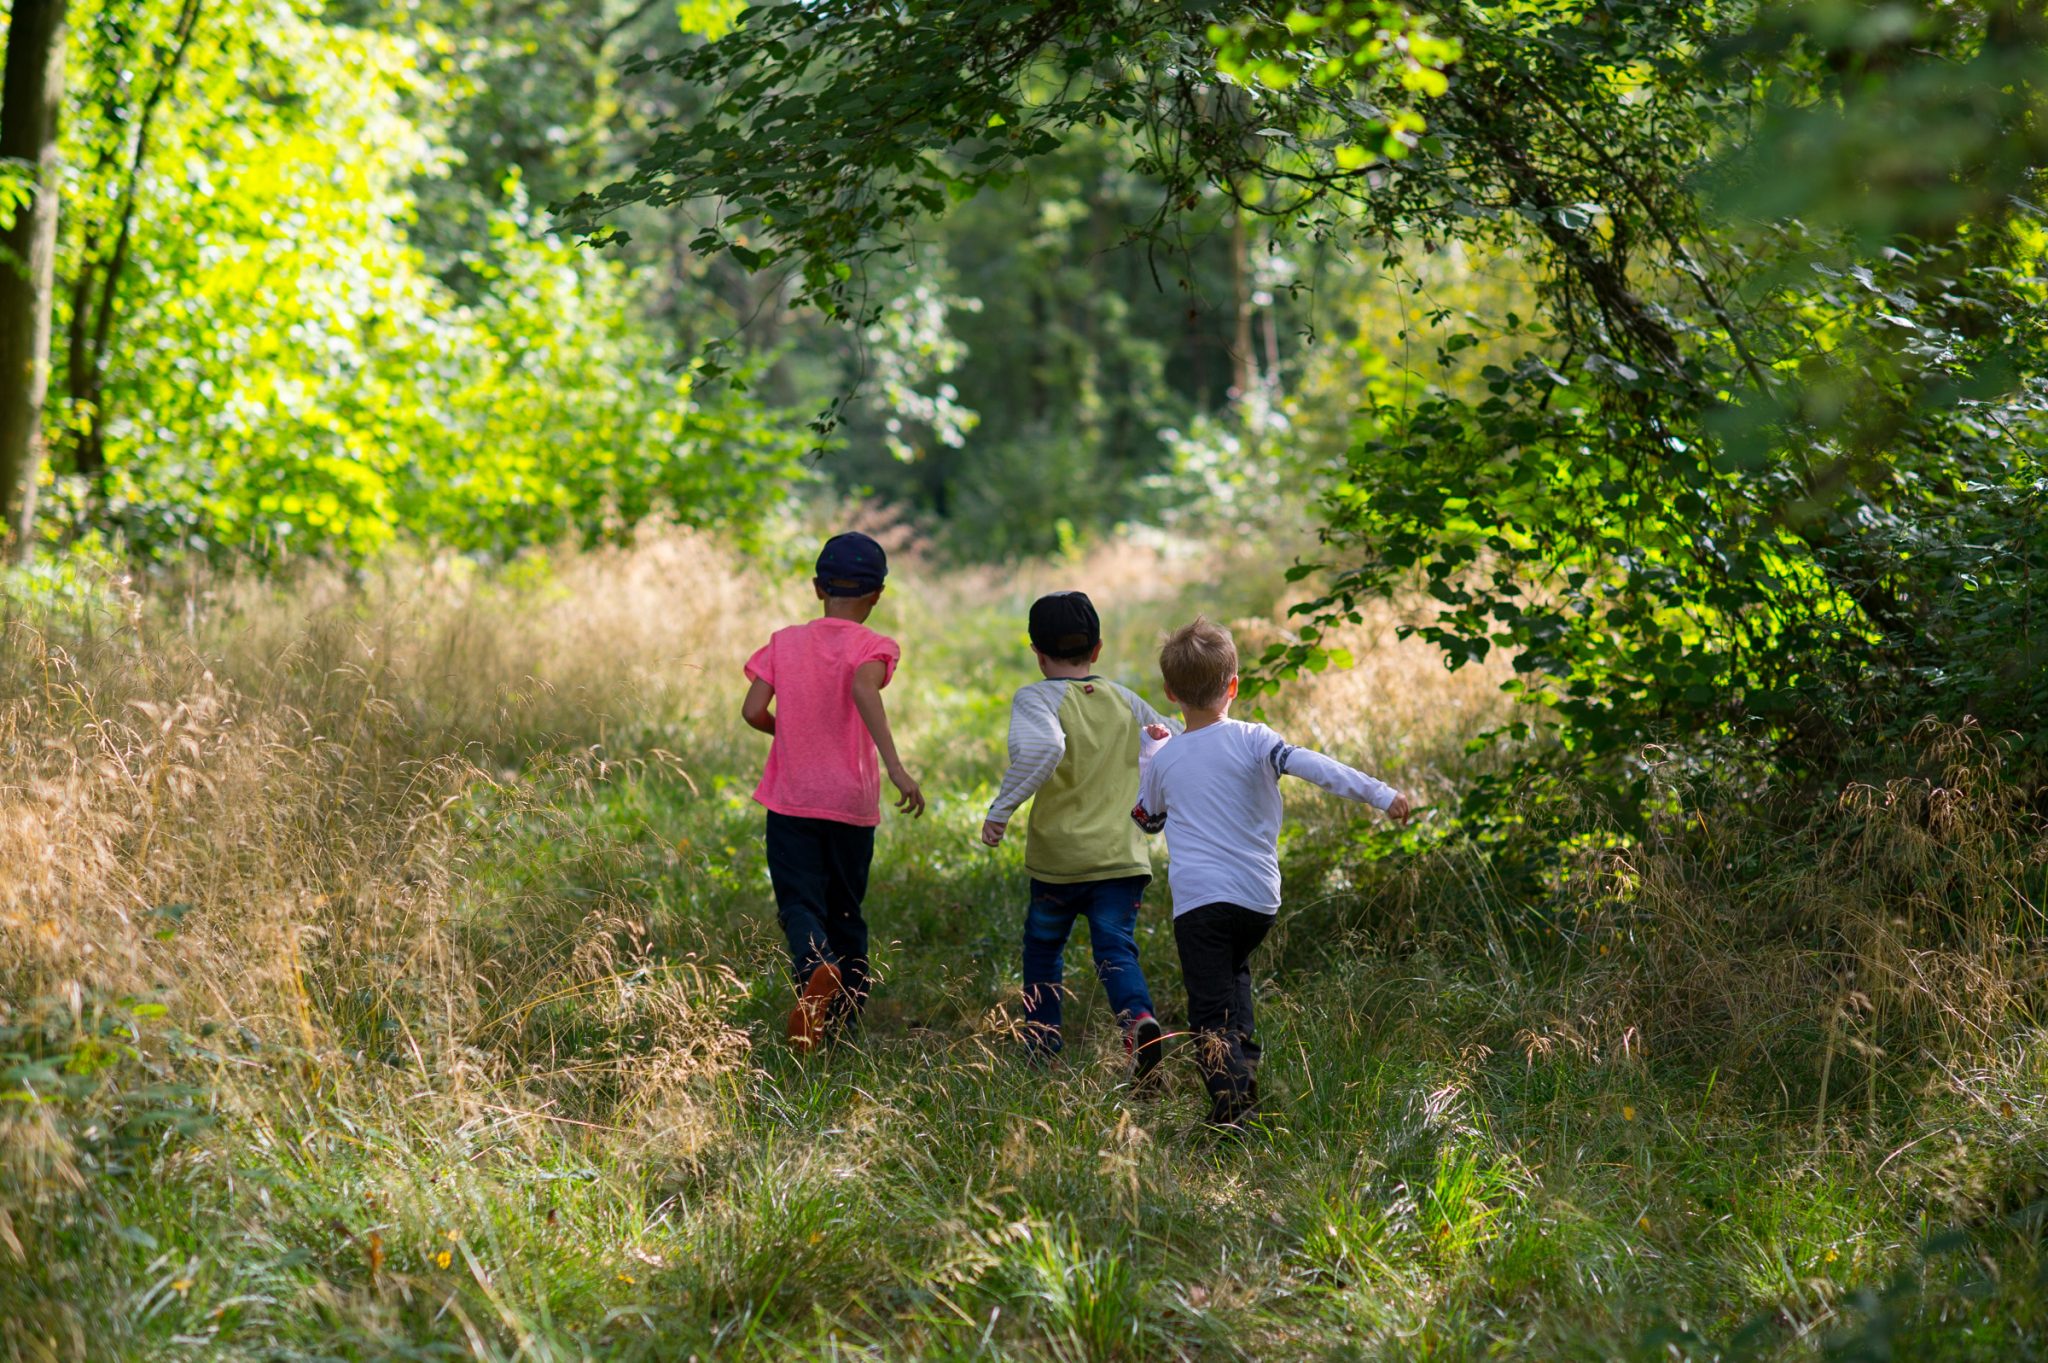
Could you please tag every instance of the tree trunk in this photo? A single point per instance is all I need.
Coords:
(92, 327)
(29, 103)
(1244, 365)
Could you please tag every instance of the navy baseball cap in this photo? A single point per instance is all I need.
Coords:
(851, 564)
(1065, 625)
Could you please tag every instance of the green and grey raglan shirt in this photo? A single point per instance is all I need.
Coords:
(1074, 744)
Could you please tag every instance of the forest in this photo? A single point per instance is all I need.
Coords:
(1620, 426)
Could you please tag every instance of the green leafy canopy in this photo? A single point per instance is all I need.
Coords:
(1778, 411)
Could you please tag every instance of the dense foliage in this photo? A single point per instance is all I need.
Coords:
(1764, 457)
(265, 344)
(1522, 290)
(353, 194)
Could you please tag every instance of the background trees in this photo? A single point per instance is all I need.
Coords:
(305, 302)
(1706, 446)
(1774, 412)
(299, 246)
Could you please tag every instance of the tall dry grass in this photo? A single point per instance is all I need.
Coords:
(287, 760)
(254, 820)
(304, 876)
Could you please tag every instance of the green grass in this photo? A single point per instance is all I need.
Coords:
(554, 1120)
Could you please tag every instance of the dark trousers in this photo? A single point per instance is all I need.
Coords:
(820, 873)
(1216, 943)
(1111, 908)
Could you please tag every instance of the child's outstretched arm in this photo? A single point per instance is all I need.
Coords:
(754, 709)
(867, 698)
(1037, 743)
(1338, 779)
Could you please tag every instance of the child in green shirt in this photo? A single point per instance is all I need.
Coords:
(1075, 744)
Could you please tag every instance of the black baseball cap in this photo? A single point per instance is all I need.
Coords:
(1065, 625)
(851, 564)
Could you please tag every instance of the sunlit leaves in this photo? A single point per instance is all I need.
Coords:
(709, 19)
(17, 188)
(1342, 42)
(286, 374)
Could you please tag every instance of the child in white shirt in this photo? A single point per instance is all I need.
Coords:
(1216, 790)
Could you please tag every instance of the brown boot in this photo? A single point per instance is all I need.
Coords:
(807, 1019)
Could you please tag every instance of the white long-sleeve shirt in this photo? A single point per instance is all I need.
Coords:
(1216, 793)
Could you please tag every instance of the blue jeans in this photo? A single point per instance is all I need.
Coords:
(1111, 907)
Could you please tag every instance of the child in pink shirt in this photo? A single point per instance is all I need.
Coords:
(822, 787)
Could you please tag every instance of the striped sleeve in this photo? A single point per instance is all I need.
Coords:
(1327, 772)
(1037, 743)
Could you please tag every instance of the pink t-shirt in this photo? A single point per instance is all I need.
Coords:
(822, 763)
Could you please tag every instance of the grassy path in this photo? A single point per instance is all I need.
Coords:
(514, 1091)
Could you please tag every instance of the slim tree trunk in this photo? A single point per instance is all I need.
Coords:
(29, 103)
(92, 328)
(1244, 365)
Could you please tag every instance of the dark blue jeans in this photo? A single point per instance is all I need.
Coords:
(1111, 908)
(820, 873)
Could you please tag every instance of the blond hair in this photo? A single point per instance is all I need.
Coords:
(1197, 661)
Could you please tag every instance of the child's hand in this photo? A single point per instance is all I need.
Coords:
(906, 785)
(1158, 733)
(1400, 810)
(992, 832)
